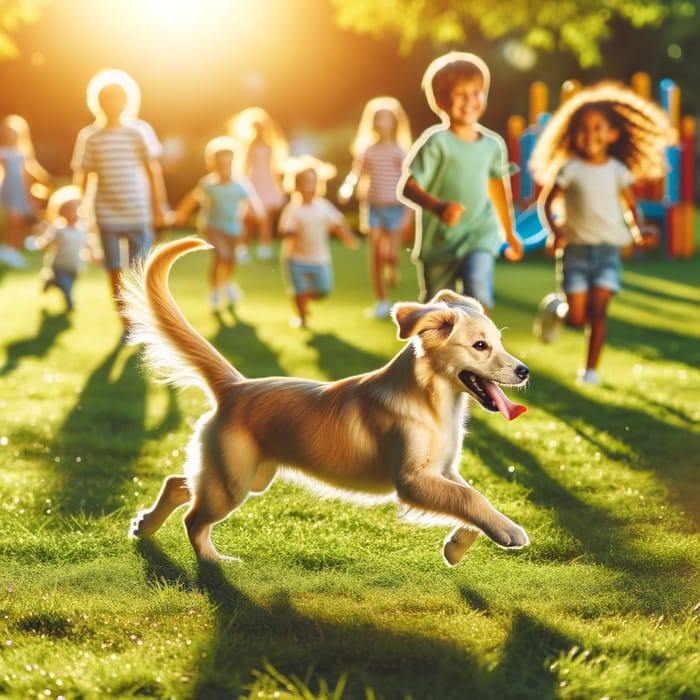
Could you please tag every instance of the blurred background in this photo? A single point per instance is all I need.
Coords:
(314, 63)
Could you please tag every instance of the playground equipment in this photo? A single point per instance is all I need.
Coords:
(669, 202)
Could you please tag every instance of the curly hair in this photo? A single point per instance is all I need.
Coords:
(644, 132)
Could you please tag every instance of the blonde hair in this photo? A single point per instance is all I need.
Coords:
(366, 134)
(59, 198)
(107, 78)
(447, 70)
(25, 145)
(241, 127)
(643, 127)
(217, 144)
(295, 166)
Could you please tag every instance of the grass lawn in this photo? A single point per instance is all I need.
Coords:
(340, 601)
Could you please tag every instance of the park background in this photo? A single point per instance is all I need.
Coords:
(332, 600)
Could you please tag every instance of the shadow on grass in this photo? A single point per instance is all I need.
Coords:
(96, 483)
(37, 345)
(394, 664)
(334, 353)
(240, 344)
(601, 534)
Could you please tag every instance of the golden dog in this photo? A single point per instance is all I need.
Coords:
(396, 430)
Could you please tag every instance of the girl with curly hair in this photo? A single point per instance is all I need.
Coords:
(591, 151)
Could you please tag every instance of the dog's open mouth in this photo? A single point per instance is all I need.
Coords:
(490, 396)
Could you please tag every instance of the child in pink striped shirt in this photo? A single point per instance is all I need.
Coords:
(382, 141)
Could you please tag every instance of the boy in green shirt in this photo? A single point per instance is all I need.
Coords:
(458, 176)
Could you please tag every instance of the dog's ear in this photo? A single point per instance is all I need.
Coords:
(449, 297)
(417, 318)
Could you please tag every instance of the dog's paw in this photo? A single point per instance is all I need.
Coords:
(136, 527)
(457, 544)
(508, 536)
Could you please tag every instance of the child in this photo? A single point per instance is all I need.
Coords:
(588, 155)
(382, 141)
(116, 157)
(66, 240)
(457, 179)
(221, 196)
(305, 225)
(19, 174)
(266, 153)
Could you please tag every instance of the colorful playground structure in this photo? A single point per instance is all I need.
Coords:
(669, 204)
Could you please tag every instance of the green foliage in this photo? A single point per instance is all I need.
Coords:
(337, 601)
(576, 27)
(13, 14)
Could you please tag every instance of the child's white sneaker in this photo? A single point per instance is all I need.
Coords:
(215, 300)
(264, 251)
(589, 376)
(550, 318)
(243, 254)
(233, 294)
(382, 309)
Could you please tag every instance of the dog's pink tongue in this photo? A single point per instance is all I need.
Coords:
(508, 408)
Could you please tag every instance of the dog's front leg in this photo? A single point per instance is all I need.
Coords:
(437, 494)
(457, 543)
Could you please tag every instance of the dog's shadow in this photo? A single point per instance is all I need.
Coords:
(248, 632)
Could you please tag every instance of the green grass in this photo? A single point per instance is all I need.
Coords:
(339, 601)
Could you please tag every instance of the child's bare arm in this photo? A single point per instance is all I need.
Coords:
(186, 206)
(159, 201)
(449, 212)
(546, 202)
(500, 194)
(346, 236)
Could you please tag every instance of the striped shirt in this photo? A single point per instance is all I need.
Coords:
(118, 157)
(381, 163)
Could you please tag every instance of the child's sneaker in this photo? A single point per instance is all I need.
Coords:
(233, 294)
(382, 309)
(215, 300)
(550, 318)
(242, 254)
(589, 376)
(264, 251)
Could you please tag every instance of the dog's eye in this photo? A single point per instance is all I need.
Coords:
(480, 345)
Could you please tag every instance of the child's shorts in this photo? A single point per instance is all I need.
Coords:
(307, 278)
(224, 244)
(139, 238)
(388, 218)
(475, 272)
(588, 266)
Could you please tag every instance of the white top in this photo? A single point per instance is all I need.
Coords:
(594, 213)
(307, 230)
(69, 244)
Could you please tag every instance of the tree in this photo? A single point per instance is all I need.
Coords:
(13, 14)
(575, 26)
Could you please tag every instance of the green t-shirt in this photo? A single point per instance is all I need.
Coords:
(454, 170)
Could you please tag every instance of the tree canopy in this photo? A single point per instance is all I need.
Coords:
(576, 26)
(13, 14)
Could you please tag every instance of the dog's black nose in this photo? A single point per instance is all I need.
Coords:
(522, 371)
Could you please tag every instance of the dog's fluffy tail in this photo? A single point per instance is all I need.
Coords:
(172, 348)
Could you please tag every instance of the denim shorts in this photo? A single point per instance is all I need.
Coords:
(306, 278)
(139, 238)
(387, 218)
(475, 273)
(588, 266)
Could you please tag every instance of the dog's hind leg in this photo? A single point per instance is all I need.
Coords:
(174, 493)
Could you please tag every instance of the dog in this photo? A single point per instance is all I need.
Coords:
(397, 430)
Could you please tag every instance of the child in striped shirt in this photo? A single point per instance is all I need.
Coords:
(382, 141)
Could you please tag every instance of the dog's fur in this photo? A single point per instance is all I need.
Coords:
(396, 430)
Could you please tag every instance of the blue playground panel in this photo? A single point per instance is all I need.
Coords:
(530, 228)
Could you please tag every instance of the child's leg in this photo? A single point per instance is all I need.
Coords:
(391, 259)
(477, 277)
(598, 319)
(376, 261)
